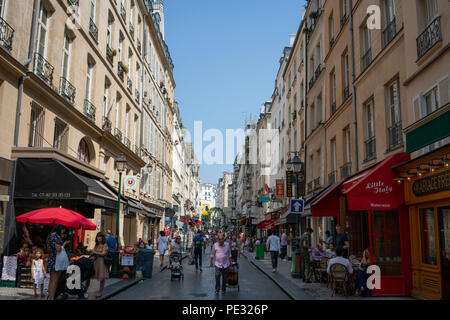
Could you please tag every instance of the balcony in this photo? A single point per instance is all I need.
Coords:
(389, 33)
(127, 142)
(89, 110)
(43, 69)
(139, 46)
(131, 30)
(93, 30)
(67, 90)
(346, 170)
(123, 13)
(137, 150)
(129, 84)
(332, 177)
(429, 37)
(6, 35)
(118, 134)
(370, 148)
(120, 71)
(395, 136)
(317, 184)
(346, 93)
(366, 60)
(109, 54)
(137, 95)
(74, 3)
(107, 125)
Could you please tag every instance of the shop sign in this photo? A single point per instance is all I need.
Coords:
(437, 183)
(289, 181)
(280, 188)
(4, 198)
(51, 195)
(379, 187)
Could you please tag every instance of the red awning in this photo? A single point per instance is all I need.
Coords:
(243, 222)
(265, 223)
(328, 204)
(376, 189)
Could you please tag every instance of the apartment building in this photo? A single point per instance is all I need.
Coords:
(75, 98)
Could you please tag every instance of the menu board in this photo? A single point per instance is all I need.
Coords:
(127, 261)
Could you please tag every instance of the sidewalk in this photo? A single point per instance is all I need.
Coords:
(296, 289)
(112, 286)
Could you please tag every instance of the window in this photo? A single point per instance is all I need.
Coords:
(105, 99)
(92, 12)
(431, 102)
(428, 236)
(343, 11)
(120, 49)
(2, 8)
(346, 73)
(67, 46)
(369, 130)
(117, 112)
(394, 116)
(83, 151)
(36, 135)
(389, 11)
(60, 135)
(135, 128)
(347, 149)
(109, 32)
(90, 68)
(333, 92)
(127, 116)
(41, 46)
(333, 155)
(431, 10)
(366, 51)
(331, 30)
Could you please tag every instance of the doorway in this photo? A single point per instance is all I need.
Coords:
(444, 229)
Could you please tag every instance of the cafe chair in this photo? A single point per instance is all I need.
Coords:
(338, 278)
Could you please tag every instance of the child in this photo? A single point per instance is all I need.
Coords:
(38, 272)
(176, 265)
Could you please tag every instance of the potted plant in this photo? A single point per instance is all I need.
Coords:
(114, 52)
(125, 68)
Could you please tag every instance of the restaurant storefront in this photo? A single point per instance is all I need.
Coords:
(426, 182)
(370, 206)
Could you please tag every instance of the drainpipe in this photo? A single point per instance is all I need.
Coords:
(355, 119)
(144, 45)
(23, 78)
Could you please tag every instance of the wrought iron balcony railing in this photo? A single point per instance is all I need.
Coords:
(390, 32)
(43, 69)
(127, 142)
(129, 84)
(93, 30)
(137, 95)
(317, 183)
(332, 177)
(310, 186)
(333, 108)
(6, 35)
(89, 110)
(109, 54)
(74, 3)
(120, 71)
(139, 46)
(395, 136)
(118, 134)
(107, 124)
(429, 37)
(318, 71)
(366, 59)
(346, 93)
(346, 170)
(123, 13)
(131, 30)
(370, 146)
(137, 150)
(67, 90)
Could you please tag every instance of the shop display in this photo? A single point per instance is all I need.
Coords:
(9, 268)
(127, 268)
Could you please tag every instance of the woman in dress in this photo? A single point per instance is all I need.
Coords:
(54, 245)
(101, 271)
(161, 243)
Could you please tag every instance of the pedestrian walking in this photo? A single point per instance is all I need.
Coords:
(54, 245)
(198, 243)
(305, 246)
(161, 246)
(235, 249)
(221, 252)
(273, 246)
(101, 269)
(284, 244)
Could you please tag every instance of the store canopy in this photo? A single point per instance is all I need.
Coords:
(243, 222)
(327, 204)
(265, 223)
(376, 189)
(307, 209)
(55, 216)
(50, 179)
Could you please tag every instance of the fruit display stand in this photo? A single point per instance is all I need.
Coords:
(127, 267)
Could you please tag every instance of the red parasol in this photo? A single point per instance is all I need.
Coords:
(55, 216)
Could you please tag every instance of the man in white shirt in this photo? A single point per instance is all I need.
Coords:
(273, 245)
(340, 259)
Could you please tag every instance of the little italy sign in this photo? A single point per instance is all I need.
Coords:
(379, 187)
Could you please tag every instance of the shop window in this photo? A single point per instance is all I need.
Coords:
(358, 232)
(428, 236)
(387, 253)
(83, 151)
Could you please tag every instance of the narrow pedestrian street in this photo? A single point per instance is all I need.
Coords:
(254, 285)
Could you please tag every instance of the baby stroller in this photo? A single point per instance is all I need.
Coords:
(175, 273)
(87, 271)
(233, 276)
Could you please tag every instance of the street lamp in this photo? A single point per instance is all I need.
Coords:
(120, 163)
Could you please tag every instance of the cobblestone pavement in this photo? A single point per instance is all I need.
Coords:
(254, 285)
(300, 290)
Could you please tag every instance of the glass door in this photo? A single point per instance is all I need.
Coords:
(444, 229)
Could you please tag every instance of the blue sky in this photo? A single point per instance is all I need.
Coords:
(226, 56)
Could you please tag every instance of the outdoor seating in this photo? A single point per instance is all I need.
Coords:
(323, 270)
(338, 278)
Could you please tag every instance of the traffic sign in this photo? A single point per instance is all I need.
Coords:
(297, 205)
(130, 182)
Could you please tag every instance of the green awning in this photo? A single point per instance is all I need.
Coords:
(433, 131)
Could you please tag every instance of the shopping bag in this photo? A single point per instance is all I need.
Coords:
(62, 260)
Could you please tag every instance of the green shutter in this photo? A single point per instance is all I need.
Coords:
(429, 133)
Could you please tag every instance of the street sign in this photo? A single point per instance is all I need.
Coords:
(264, 199)
(297, 205)
(4, 198)
(130, 182)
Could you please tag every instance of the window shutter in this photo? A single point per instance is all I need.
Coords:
(444, 94)
(416, 105)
